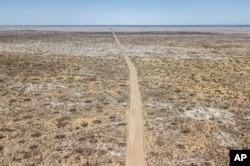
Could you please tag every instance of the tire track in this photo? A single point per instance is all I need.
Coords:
(135, 139)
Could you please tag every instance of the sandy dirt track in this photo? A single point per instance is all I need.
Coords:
(135, 145)
(72, 98)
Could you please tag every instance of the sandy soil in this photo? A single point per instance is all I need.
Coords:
(61, 109)
(135, 140)
(195, 92)
(65, 97)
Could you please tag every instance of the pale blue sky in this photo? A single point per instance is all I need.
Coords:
(124, 12)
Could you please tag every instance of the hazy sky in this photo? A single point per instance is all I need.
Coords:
(124, 12)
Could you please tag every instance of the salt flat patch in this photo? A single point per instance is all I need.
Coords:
(77, 72)
(224, 138)
(43, 87)
(142, 49)
(60, 48)
(211, 113)
(161, 105)
(72, 28)
(248, 117)
(177, 52)
(63, 104)
(116, 151)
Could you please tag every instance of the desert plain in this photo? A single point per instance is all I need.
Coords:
(65, 96)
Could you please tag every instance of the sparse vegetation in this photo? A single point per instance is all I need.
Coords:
(84, 124)
(193, 97)
(57, 91)
(64, 96)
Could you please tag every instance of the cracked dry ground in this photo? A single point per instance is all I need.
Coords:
(62, 109)
(196, 95)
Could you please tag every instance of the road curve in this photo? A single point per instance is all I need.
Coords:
(135, 141)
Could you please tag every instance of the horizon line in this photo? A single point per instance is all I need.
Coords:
(133, 25)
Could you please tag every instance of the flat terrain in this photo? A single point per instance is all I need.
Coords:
(195, 91)
(66, 97)
(135, 139)
(61, 109)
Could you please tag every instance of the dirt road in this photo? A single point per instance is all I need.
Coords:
(135, 140)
